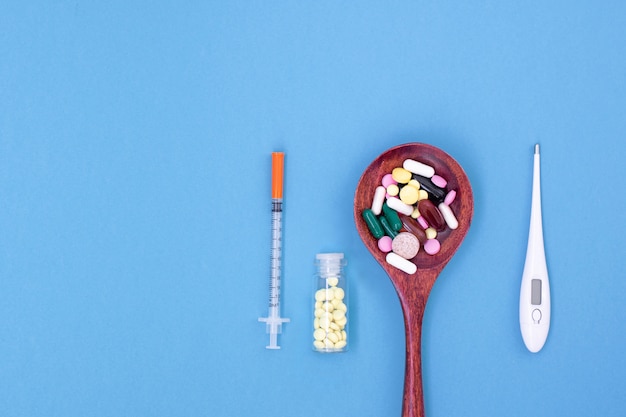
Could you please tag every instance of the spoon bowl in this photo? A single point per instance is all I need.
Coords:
(413, 289)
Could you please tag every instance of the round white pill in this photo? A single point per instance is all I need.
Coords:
(319, 334)
(325, 322)
(406, 245)
(338, 315)
(339, 293)
(342, 322)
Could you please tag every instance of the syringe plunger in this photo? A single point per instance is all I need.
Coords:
(274, 324)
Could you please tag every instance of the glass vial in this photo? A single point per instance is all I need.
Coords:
(330, 311)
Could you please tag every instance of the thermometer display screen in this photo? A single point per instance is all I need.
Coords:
(535, 294)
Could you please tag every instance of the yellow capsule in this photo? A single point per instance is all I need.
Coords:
(332, 281)
(431, 233)
(409, 195)
(401, 175)
(334, 326)
(341, 306)
(422, 195)
(416, 213)
(319, 344)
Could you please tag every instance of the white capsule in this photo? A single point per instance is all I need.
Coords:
(397, 204)
(402, 264)
(418, 168)
(448, 216)
(379, 199)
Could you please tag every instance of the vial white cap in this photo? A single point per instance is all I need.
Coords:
(329, 264)
(329, 256)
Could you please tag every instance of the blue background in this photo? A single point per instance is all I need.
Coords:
(135, 144)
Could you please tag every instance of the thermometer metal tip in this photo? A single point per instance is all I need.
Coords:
(534, 302)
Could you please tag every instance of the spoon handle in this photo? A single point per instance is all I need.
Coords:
(413, 300)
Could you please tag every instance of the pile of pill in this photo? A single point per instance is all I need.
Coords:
(330, 317)
(409, 208)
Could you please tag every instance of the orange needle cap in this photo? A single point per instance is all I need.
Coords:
(277, 174)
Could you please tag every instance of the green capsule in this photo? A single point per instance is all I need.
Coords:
(373, 223)
(387, 227)
(392, 217)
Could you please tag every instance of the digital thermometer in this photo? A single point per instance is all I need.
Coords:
(534, 299)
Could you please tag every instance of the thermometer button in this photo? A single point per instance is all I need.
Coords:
(536, 314)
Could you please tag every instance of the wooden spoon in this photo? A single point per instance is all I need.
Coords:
(413, 290)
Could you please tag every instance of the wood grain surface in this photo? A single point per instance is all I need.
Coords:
(413, 290)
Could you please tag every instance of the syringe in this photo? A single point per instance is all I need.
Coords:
(273, 321)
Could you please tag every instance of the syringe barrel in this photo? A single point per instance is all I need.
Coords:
(276, 255)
